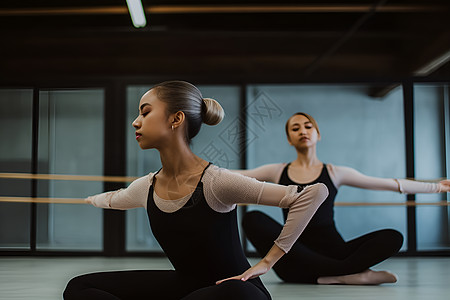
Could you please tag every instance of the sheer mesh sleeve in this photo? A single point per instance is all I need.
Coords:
(271, 172)
(416, 187)
(135, 195)
(351, 177)
(224, 189)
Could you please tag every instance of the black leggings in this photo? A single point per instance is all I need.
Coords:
(156, 284)
(330, 257)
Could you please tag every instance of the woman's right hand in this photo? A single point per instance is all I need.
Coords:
(262, 267)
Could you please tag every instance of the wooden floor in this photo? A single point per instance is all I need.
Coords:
(45, 278)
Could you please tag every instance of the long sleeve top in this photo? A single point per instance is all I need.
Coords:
(348, 176)
(223, 190)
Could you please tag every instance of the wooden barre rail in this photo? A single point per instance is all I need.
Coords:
(130, 179)
(43, 200)
(68, 177)
(99, 178)
(81, 201)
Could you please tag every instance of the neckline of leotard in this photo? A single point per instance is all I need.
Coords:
(184, 197)
(306, 183)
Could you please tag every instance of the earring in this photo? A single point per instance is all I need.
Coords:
(172, 127)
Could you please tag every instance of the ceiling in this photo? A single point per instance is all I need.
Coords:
(226, 41)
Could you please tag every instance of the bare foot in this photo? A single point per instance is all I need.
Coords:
(368, 277)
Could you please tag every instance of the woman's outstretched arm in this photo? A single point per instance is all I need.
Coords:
(135, 195)
(270, 172)
(348, 176)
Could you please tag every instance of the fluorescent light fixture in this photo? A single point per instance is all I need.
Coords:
(137, 13)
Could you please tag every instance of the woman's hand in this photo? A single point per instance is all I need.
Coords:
(257, 270)
(88, 200)
(444, 186)
(262, 267)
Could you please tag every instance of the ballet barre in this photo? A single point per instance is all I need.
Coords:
(68, 177)
(58, 177)
(130, 179)
(82, 201)
(97, 177)
(43, 200)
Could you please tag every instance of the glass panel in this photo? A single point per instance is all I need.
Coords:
(356, 131)
(70, 142)
(16, 109)
(429, 127)
(218, 144)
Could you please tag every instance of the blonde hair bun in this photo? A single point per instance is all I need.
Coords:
(213, 113)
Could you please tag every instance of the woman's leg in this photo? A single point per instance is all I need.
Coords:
(364, 252)
(125, 285)
(231, 289)
(304, 265)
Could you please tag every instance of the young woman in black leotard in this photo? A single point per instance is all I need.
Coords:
(191, 206)
(321, 255)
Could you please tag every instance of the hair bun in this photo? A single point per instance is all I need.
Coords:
(213, 112)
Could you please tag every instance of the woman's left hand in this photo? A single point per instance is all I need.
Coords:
(259, 269)
(444, 186)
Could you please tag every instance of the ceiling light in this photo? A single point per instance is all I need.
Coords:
(137, 13)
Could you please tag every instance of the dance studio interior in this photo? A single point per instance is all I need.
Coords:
(374, 74)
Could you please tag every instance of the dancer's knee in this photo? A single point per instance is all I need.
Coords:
(393, 238)
(397, 239)
(231, 289)
(74, 287)
(71, 289)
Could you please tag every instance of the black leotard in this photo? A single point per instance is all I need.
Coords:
(320, 250)
(203, 245)
(321, 230)
(324, 216)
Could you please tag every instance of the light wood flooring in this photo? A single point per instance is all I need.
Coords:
(44, 278)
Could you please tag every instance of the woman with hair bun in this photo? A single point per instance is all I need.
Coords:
(321, 255)
(191, 206)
